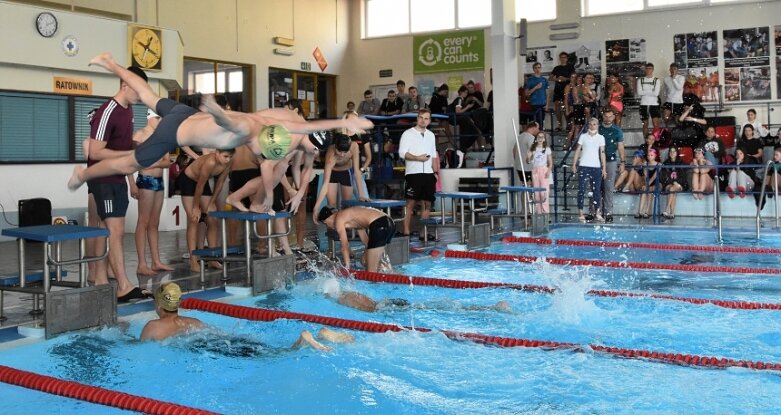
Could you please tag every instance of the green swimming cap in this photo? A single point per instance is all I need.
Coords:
(274, 141)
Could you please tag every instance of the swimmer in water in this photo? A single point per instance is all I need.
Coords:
(170, 323)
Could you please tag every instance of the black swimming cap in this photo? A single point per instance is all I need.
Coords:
(321, 139)
(343, 142)
(325, 213)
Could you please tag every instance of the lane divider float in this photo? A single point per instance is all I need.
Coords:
(93, 394)
(461, 284)
(611, 264)
(641, 245)
(261, 314)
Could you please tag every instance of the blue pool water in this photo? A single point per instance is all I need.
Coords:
(242, 367)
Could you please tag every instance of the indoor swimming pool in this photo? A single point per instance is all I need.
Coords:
(239, 366)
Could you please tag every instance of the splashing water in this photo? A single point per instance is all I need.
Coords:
(569, 303)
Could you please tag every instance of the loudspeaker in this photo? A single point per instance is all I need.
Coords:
(34, 212)
(523, 38)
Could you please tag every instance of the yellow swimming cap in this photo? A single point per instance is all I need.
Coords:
(168, 295)
(274, 141)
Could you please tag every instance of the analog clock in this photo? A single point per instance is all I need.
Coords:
(46, 24)
(146, 48)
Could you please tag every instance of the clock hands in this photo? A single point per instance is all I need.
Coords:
(147, 49)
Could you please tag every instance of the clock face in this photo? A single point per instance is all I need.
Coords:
(46, 24)
(146, 48)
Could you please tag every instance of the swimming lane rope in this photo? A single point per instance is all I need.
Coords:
(260, 314)
(439, 282)
(611, 264)
(93, 394)
(641, 245)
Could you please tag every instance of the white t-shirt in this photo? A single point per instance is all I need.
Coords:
(673, 88)
(418, 143)
(648, 90)
(589, 149)
(540, 157)
(759, 130)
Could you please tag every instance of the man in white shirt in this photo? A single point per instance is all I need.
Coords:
(592, 167)
(648, 89)
(673, 89)
(418, 150)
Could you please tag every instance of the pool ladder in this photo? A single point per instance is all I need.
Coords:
(768, 166)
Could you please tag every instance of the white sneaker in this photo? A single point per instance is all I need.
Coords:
(460, 155)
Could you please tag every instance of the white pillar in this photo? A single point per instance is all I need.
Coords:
(504, 61)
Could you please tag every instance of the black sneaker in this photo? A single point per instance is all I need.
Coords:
(589, 217)
(608, 218)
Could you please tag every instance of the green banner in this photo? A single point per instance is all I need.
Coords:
(449, 52)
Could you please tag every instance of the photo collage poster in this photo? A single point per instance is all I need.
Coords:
(747, 64)
(585, 57)
(697, 56)
(627, 58)
(778, 61)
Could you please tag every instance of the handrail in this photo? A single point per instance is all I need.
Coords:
(717, 206)
(768, 165)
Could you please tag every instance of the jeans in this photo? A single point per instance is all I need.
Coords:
(594, 174)
(539, 115)
(607, 187)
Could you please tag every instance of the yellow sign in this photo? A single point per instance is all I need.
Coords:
(72, 86)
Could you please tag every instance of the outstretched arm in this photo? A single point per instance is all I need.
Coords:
(358, 125)
(235, 122)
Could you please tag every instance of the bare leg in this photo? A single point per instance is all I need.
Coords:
(192, 232)
(212, 230)
(306, 339)
(280, 226)
(116, 255)
(122, 165)
(145, 202)
(408, 217)
(141, 87)
(91, 244)
(357, 301)
(335, 336)
(373, 258)
(153, 234)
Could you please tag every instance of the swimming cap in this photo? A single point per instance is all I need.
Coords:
(325, 213)
(321, 139)
(639, 153)
(343, 143)
(167, 296)
(274, 141)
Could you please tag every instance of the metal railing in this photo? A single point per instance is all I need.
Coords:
(768, 166)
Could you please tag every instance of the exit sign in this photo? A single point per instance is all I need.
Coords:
(386, 73)
(306, 66)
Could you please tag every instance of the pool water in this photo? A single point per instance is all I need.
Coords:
(244, 367)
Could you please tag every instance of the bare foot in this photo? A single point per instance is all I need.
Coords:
(145, 271)
(261, 208)
(76, 181)
(85, 147)
(335, 336)
(308, 339)
(161, 267)
(208, 104)
(215, 265)
(236, 204)
(104, 60)
(195, 266)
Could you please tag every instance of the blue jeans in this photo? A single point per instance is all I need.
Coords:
(594, 174)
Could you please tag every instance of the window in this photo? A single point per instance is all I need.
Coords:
(658, 3)
(535, 10)
(429, 15)
(598, 7)
(401, 17)
(473, 13)
(234, 81)
(386, 17)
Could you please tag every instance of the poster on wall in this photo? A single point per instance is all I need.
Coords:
(546, 56)
(778, 61)
(697, 56)
(626, 58)
(449, 52)
(747, 64)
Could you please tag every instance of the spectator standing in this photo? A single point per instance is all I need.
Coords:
(401, 91)
(414, 102)
(648, 89)
(536, 87)
(759, 129)
(391, 105)
(673, 90)
(418, 150)
(561, 76)
(591, 167)
(614, 157)
(540, 157)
